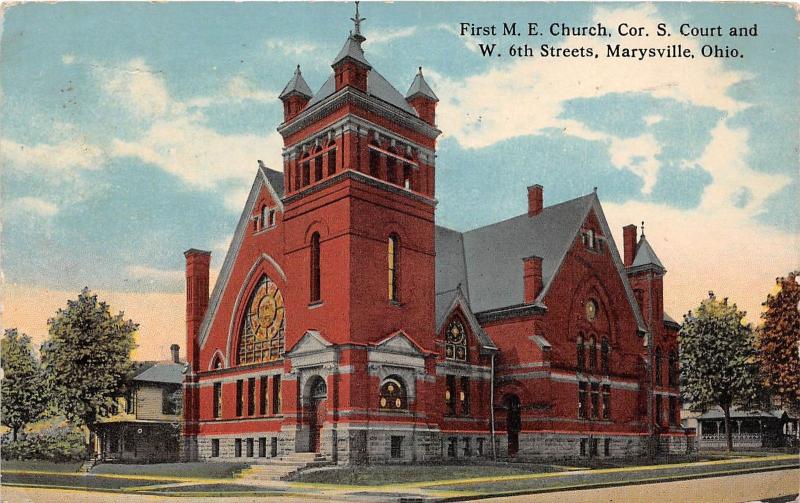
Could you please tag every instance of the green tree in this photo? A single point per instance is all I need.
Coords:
(779, 341)
(87, 358)
(23, 390)
(718, 359)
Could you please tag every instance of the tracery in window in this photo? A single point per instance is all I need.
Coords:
(456, 341)
(393, 394)
(261, 335)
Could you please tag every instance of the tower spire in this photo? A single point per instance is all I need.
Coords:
(357, 23)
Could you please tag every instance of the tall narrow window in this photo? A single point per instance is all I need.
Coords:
(673, 410)
(463, 396)
(374, 163)
(315, 275)
(672, 369)
(251, 396)
(604, 356)
(217, 400)
(580, 355)
(606, 401)
(391, 169)
(262, 396)
(657, 413)
(318, 168)
(595, 400)
(407, 180)
(658, 366)
(450, 395)
(264, 216)
(592, 353)
(582, 400)
(331, 162)
(306, 173)
(276, 394)
(239, 397)
(393, 262)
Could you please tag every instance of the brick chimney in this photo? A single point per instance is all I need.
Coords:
(532, 278)
(198, 263)
(175, 351)
(629, 244)
(535, 200)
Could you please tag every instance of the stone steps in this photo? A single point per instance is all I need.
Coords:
(281, 468)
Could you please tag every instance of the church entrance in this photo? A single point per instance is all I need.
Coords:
(317, 410)
(513, 423)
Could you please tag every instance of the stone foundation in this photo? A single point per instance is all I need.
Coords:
(354, 445)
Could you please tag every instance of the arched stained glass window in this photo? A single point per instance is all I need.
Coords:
(261, 334)
(456, 341)
(393, 394)
(579, 354)
(592, 353)
(604, 356)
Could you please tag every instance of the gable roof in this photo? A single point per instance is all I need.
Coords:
(487, 261)
(447, 302)
(168, 373)
(352, 49)
(273, 181)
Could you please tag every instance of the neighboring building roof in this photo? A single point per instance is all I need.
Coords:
(669, 320)
(168, 373)
(297, 84)
(419, 86)
(717, 413)
(645, 256)
(487, 261)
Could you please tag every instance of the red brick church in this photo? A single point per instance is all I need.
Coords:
(346, 322)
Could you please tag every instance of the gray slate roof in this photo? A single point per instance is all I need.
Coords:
(168, 373)
(717, 413)
(419, 86)
(487, 262)
(645, 256)
(297, 84)
(446, 303)
(352, 49)
(377, 86)
(275, 179)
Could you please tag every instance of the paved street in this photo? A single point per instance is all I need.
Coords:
(731, 489)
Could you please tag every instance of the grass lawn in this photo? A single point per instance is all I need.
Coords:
(74, 480)
(398, 474)
(192, 470)
(41, 466)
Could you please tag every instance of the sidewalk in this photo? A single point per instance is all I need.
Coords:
(437, 490)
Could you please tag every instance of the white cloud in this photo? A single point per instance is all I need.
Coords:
(651, 120)
(68, 58)
(59, 157)
(386, 35)
(527, 96)
(31, 206)
(289, 47)
(138, 88)
(154, 275)
(199, 155)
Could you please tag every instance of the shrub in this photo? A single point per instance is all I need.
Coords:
(57, 445)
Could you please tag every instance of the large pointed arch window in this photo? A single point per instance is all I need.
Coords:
(261, 336)
(393, 256)
(456, 341)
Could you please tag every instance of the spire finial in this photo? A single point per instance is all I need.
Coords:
(642, 228)
(357, 22)
(297, 70)
(420, 70)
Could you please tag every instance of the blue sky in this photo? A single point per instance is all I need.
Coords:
(130, 132)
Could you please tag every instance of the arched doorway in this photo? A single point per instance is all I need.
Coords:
(513, 423)
(317, 410)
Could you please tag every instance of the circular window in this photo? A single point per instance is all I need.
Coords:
(591, 310)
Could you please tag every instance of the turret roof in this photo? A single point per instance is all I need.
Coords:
(419, 86)
(297, 84)
(645, 256)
